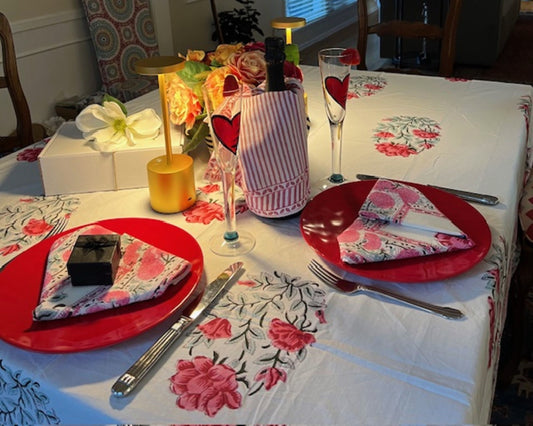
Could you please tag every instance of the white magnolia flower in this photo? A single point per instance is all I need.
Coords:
(109, 127)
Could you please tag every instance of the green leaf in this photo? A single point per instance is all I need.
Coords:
(198, 134)
(109, 98)
(292, 53)
(190, 71)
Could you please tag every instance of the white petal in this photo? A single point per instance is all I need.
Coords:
(145, 123)
(91, 118)
(114, 111)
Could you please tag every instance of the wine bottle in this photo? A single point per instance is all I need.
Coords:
(275, 58)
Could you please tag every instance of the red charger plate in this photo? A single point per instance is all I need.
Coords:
(20, 288)
(332, 211)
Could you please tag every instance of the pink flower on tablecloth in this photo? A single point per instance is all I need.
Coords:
(287, 337)
(321, 317)
(12, 248)
(204, 386)
(36, 227)
(247, 283)
(151, 264)
(30, 155)
(393, 150)
(271, 376)
(384, 135)
(210, 188)
(204, 212)
(218, 328)
(425, 134)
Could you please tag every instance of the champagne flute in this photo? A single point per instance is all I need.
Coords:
(335, 73)
(224, 115)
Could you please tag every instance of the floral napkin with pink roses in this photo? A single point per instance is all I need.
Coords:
(144, 273)
(397, 221)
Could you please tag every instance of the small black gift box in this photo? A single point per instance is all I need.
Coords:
(94, 260)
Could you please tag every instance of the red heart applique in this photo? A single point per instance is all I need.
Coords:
(227, 131)
(338, 89)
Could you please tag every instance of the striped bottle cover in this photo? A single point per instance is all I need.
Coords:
(273, 152)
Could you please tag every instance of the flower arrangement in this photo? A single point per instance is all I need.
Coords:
(184, 88)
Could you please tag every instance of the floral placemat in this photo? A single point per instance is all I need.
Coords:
(250, 342)
(406, 135)
(365, 85)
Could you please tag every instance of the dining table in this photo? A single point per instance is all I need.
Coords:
(279, 346)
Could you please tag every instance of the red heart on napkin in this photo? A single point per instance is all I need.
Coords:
(338, 89)
(227, 130)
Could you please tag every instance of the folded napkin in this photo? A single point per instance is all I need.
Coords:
(397, 221)
(144, 273)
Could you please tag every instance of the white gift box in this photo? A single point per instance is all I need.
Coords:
(70, 164)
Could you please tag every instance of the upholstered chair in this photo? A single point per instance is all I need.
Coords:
(122, 32)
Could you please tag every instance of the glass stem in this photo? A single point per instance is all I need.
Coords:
(228, 187)
(336, 150)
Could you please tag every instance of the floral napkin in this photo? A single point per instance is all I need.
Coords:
(397, 221)
(144, 273)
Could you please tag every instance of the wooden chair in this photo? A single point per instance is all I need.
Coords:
(413, 29)
(24, 134)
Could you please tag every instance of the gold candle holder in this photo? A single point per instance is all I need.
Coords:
(287, 23)
(170, 177)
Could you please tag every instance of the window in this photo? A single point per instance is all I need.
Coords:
(313, 10)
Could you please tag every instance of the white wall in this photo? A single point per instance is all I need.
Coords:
(54, 56)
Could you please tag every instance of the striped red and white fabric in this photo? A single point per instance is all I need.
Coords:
(273, 152)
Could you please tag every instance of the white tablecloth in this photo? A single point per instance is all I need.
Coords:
(287, 348)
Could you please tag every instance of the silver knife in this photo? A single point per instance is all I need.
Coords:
(474, 197)
(131, 378)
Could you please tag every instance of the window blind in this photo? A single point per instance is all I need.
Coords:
(313, 10)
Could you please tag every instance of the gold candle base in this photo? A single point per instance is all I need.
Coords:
(171, 184)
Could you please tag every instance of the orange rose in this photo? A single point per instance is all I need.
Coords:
(224, 51)
(195, 55)
(252, 66)
(215, 82)
(183, 104)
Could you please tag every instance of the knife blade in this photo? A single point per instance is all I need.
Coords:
(474, 197)
(132, 377)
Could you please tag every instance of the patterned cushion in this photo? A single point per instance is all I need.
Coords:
(526, 210)
(122, 33)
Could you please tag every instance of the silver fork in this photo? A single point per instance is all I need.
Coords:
(59, 226)
(351, 287)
